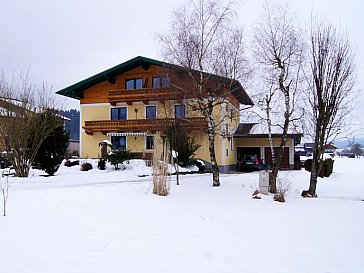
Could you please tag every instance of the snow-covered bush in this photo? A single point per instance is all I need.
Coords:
(200, 165)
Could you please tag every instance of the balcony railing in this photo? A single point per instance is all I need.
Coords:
(142, 125)
(144, 95)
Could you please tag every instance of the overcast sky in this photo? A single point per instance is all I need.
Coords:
(66, 41)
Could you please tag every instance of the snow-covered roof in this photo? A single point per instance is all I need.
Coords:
(260, 130)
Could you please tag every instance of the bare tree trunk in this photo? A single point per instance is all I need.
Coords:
(214, 165)
(314, 175)
(278, 159)
(4, 187)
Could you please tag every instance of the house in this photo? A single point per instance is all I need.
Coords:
(10, 108)
(129, 103)
(309, 148)
(330, 148)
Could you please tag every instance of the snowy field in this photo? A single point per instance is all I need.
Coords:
(109, 221)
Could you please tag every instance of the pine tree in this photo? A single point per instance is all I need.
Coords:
(52, 151)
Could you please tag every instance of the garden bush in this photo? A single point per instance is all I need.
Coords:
(101, 164)
(52, 151)
(86, 167)
(70, 163)
(326, 170)
(327, 167)
(297, 162)
(308, 165)
(201, 167)
(117, 157)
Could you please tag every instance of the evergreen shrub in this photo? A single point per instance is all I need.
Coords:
(101, 164)
(86, 167)
(326, 170)
(70, 163)
(118, 156)
(52, 151)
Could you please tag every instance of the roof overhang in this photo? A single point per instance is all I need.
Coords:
(267, 135)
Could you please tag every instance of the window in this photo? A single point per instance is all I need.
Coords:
(156, 82)
(179, 111)
(118, 113)
(118, 142)
(151, 112)
(149, 142)
(134, 83)
(163, 82)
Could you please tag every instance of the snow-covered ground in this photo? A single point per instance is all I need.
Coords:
(109, 221)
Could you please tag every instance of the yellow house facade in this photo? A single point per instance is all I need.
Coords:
(129, 103)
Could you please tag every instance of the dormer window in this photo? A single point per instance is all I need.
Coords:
(133, 83)
(161, 82)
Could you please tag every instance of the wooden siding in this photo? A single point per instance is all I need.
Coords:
(108, 92)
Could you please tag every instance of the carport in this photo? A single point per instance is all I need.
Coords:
(241, 151)
(250, 139)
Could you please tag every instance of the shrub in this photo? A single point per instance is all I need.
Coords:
(52, 151)
(308, 165)
(283, 188)
(279, 197)
(117, 157)
(297, 162)
(101, 164)
(182, 143)
(327, 167)
(86, 167)
(326, 170)
(201, 167)
(70, 163)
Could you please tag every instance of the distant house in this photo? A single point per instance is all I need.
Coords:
(309, 148)
(9, 109)
(330, 148)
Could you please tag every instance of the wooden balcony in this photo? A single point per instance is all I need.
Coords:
(141, 125)
(145, 95)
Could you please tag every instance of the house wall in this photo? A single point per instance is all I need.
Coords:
(101, 111)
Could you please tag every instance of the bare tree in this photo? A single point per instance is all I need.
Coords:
(279, 52)
(203, 40)
(332, 78)
(22, 129)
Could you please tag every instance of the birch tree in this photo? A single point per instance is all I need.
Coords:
(204, 41)
(331, 80)
(279, 52)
